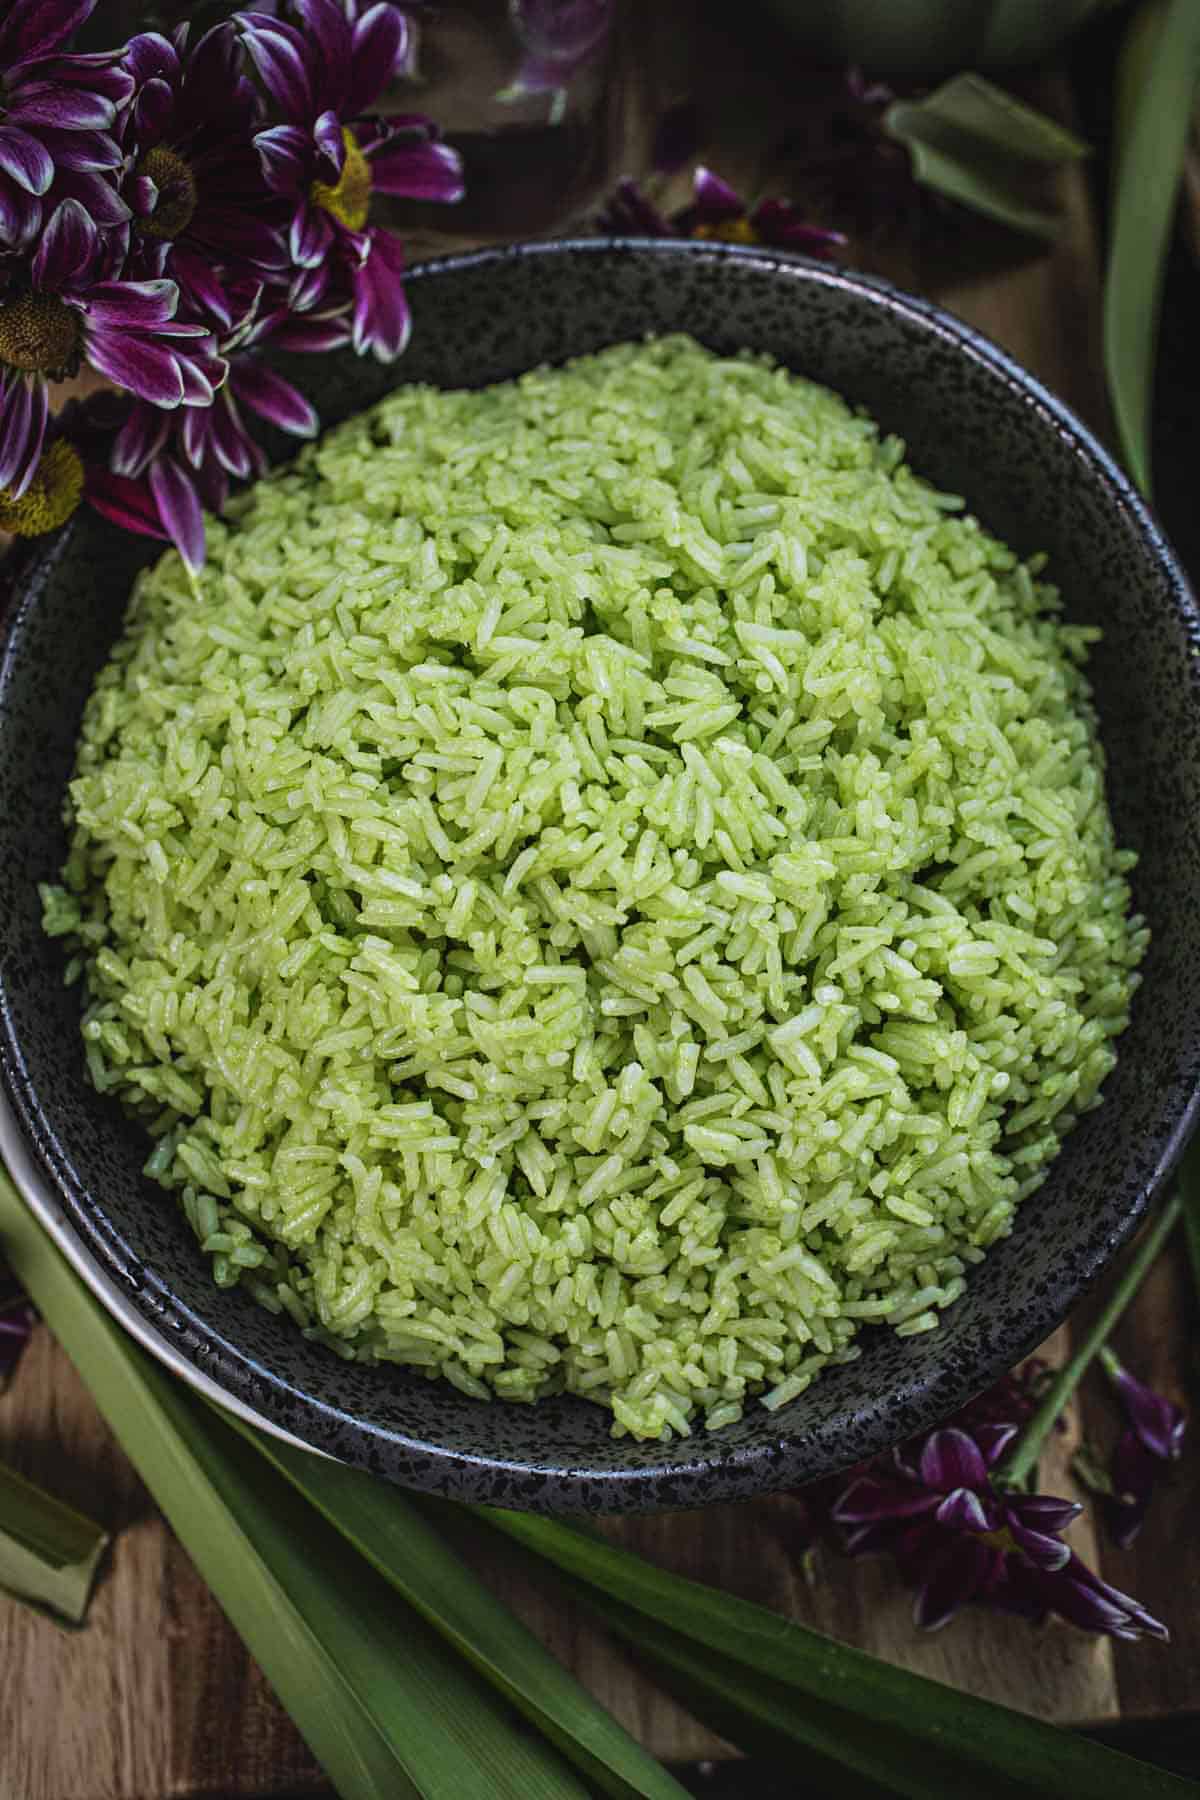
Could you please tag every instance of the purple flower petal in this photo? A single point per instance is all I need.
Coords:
(24, 409)
(98, 197)
(382, 46)
(200, 287)
(628, 213)
(870, 1498)
(1159, 1423)
(952, 1581)
(418, 172)
(963, 1510)
(308, 335)
(25, 160)
(331, 147)
(151, 112)
(68, 248)
(381, 317)
(179, 509)
(326, 24)
(1082, 1598)
(139, 440)
(36, 27)
(20, 216)
(86, 151)
(778, 222)
(308, 288)
(951, 1459)
(203, 378)
(285, 155)
(1045, 1512)
(140, 303)
(128, 504)
(277, 54)
(149, 56)
(67, 108)
(713, 199)
(993, 1441)
(227, 438)
(310, 236)
(273, 398)
(1037, 1547)
(1134, 1472)
(147, 369)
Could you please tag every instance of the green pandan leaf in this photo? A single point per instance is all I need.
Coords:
(49, 1553)
(397, 1540)
(388, 1710)
(978, 145)
(1001, 1752)
(1156, 87)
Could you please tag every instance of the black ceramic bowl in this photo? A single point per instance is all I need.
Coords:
(976, 424)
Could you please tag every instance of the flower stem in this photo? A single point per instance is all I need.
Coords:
(1013, 1470)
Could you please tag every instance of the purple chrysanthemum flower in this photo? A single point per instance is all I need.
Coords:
(57, 114)
(324, 160)
(1157, 1421)
(164, 469)
(72, 312)
(558, 38)
(717, 211)
(958, 1541)
(192, 178)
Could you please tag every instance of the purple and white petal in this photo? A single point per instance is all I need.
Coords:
(1159, 1423)
(427, 171)
(382, 322)
(144, 304)
(67, 250)
(382, 47)
(331, 148)
(139, 440)
(98, 197)
(310, 236)
(713, 200)
(277, 54)
(964, 1510)
(230, 444)
(327, 25)
(89, 152)
(147, 369)
(24, 409)
(149, 56)
(67, 108)
(951, 1459)
(25, 160)
(152, 112)
(273, 398)
(1046, 1512)
(285, 155)
(127, 503)
(34, 28)
(20, 216)
(309, 335)
(179, 509)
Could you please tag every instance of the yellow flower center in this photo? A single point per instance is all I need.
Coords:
(51, 496)
(349, 199)
(176, 193)
(40, 334)
(729, 231)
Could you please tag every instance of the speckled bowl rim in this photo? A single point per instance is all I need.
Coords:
(704, 1472)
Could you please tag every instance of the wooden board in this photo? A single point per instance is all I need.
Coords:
(157, 1697)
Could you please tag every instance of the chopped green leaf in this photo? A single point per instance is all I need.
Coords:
(49, 1553)
(976, 144)
(1159, 68)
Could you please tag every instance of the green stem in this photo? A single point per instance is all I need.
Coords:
(1013, 1470)
(1189, 1187)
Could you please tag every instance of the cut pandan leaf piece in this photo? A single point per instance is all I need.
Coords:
(49, 1553)
(974, 143)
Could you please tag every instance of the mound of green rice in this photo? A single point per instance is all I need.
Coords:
(603, 883)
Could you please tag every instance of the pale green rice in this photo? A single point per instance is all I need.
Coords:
(603, 883)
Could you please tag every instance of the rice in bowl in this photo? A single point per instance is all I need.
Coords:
(601, 883)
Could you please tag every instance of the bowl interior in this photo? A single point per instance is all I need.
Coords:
(974, 424)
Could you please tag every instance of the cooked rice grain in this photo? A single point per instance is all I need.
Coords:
(602, 883)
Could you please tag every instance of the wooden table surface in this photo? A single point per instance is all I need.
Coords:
(158, 1698)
